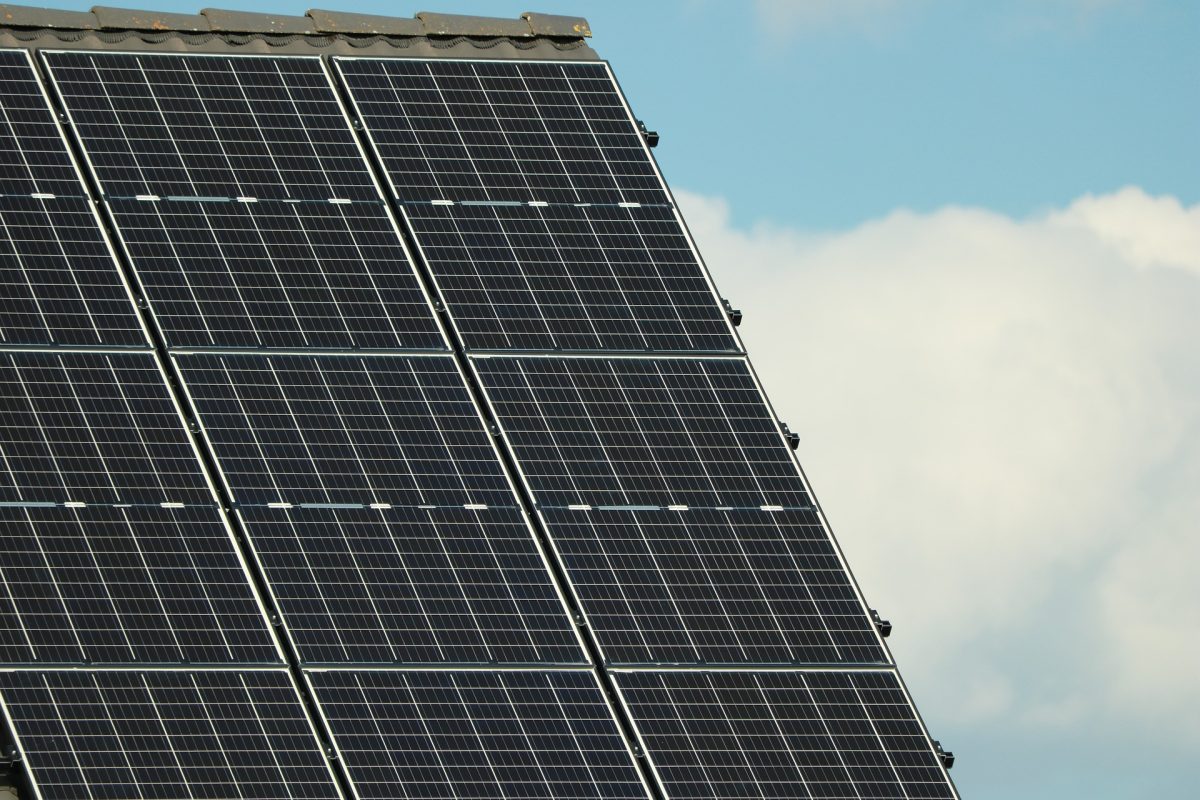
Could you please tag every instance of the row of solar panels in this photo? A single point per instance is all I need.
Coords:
(514, 734)
(376, 503)
(246, 205)
(284, 427)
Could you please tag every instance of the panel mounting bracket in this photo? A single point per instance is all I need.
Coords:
(884, 626)
(650, 136)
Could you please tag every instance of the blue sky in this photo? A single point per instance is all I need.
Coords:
(966, 237)
(799, 112)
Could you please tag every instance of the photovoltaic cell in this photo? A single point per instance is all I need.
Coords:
(570, 278)
(58, 281)
(192, 125)
(502, 131)
(90, 735)
(93, 428)
(640, 433)
(345, 430)
(502, 735)
(276, 274)
(33, 156)
(409, 585)
(125, 585)
(768, 735)
(713, 587)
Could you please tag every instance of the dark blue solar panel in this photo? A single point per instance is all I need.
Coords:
(345, 430)
(276, 274)
(137, 585)
(502, 131)
(570, 278)
(411, 585)
(177, 734)
(33, 156)
(642, 432)
(211, 125)
(713, 587)
(93, 429)
(481, 735)
(59, 284)
(768, 735)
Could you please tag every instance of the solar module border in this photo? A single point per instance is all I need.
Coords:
(816, 507)
(33, 62)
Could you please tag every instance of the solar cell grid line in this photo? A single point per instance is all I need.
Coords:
(272, 274)
(713, 587)
(502, 131)
(206, 125)
(135, 585)
(566, 277)
(412, 586)
(93, 428)
(34, 158)
(783, 734)
(505, 734)
(332, 429)
(168, 735)
(642, 433)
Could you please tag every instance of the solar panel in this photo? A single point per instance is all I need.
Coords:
(713, 587)
(411, 585)
(125, 585)
(195, 125)
(570, 278)
(502, 131)
(678, 512)
(276, 274)
(93, 429)
(58, 281)
(642, 433)
(244, 202)
(177, 734)
(33, 156)
(59, 284)
(717, 735)
(345, 430)
(426, 735)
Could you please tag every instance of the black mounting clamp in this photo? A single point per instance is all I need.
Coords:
(651, 137)
(734, 314)
(944, 755)
(793, 439)
(884, 626)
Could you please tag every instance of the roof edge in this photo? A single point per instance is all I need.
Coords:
(316, 22)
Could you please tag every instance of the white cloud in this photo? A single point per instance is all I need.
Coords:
(1002, 418)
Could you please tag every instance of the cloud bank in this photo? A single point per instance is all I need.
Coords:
(1002, 419)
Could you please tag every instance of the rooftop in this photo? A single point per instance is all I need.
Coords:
(532, 35)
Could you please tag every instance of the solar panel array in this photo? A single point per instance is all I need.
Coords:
(289, 511)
